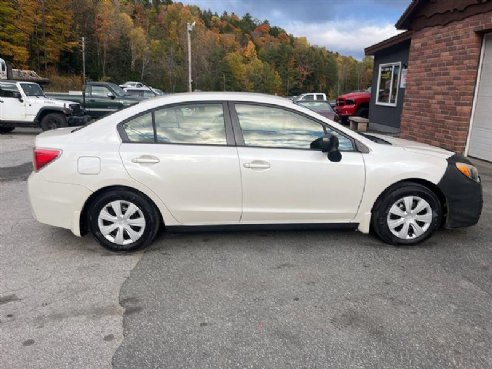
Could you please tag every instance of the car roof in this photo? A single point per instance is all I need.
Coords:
(217, 96)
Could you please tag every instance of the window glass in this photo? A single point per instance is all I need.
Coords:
(32, 89)
(319, 97)
(265, 126)
(395, 84)
(8, 89)
(191, 124)
(388, 82)
(99, 91)
(318, 106)
(140, 129)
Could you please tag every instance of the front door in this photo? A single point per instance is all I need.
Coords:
(284, 180)
(186, 161)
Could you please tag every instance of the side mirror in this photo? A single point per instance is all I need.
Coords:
(17, 95)
(111, 95)
(329, 144)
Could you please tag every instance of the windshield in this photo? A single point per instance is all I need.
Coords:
(117, 90)
(32, 89)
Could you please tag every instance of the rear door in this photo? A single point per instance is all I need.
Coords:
(11, 108)
(189, 161)
(284, 180)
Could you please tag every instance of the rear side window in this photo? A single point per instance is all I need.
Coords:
(8, 89)
(191, 124)
(140, 129)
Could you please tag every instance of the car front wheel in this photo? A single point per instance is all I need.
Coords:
(53, 121)
(123, 220)
(407, 214)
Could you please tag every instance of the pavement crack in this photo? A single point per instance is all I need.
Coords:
(123, 304)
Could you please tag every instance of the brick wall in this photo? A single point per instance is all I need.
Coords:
(442, 72)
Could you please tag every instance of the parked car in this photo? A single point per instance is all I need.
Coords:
(23, 104)
(322, 107)
(239, 159)
(310, 96)
(132, 84)
(143, 92)
(353, 104)
(99, 98)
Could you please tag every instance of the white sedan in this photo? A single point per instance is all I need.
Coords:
(239, 159)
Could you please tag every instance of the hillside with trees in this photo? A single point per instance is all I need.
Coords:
(145, 40)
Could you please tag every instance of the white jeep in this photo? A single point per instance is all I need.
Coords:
(23, 104)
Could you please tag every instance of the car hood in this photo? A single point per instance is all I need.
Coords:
(414, 146)
(353, 95)
(50, 101)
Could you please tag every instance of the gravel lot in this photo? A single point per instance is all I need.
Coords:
(312, 299)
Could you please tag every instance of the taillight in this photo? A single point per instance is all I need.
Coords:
(43, 157)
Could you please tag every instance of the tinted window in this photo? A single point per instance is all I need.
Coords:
(140, 129)
(265, 126)
(191, 124)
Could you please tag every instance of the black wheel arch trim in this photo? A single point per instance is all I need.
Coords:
(47, 110)
(464, 197)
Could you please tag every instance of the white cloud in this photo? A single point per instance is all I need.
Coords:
(348, 37)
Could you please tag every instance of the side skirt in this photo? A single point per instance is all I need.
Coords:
(262, 227)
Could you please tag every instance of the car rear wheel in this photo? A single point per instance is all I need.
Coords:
(123, 220)
(407, 214)
(53, 121)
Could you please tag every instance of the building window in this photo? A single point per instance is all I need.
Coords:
(388, 83)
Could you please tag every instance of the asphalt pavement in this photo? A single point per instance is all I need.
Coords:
(264, 299)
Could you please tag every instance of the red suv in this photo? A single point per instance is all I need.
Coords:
(353, 104)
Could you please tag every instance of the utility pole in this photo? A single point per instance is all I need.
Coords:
(189, 28)
(83, 61)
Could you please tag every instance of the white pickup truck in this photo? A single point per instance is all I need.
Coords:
(24, 104)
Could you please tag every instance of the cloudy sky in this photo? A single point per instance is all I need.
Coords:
(346, 26)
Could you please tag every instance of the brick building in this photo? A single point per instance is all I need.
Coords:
(433, 83)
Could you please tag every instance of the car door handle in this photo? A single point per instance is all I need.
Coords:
(257, 164)
(146, 159)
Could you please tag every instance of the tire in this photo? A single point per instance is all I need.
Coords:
(108, 222)
(53, 121)
(4, 130)
(392, 222)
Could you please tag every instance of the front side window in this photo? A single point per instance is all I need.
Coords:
(199, 124)
(100, 91)
(265, 126)
(388, 82)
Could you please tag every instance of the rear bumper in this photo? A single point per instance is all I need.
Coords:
(464, 198)
(57, 204)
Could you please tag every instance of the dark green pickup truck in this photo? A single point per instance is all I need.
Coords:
(101, 98)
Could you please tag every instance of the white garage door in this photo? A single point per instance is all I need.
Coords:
(480, 145)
